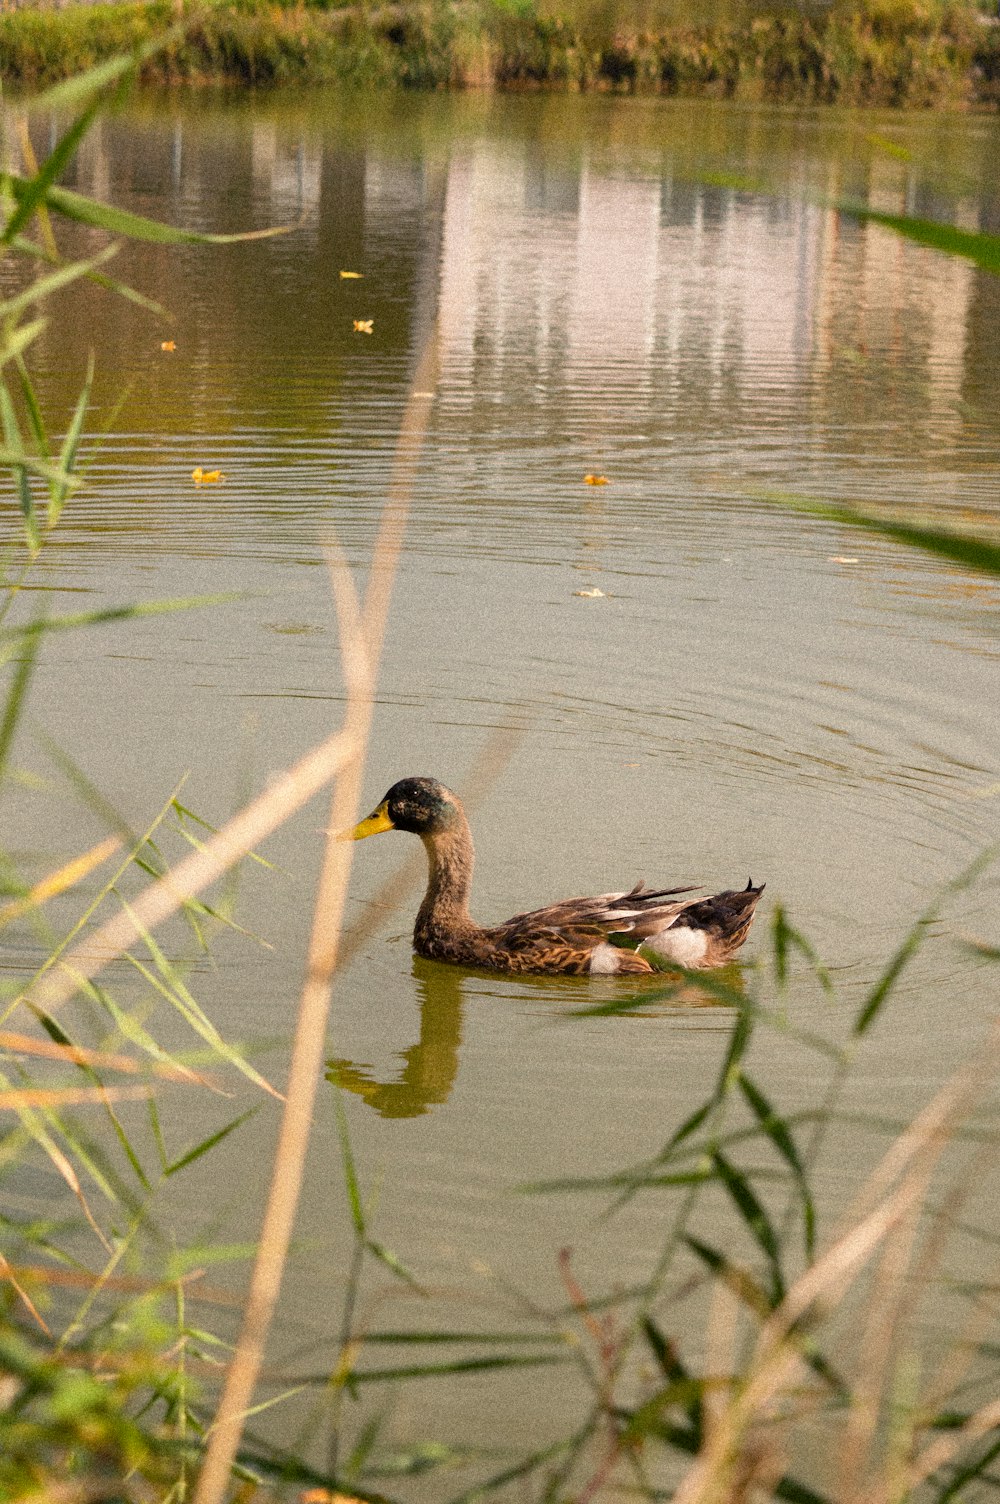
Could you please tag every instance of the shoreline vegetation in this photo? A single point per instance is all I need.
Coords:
(896, 53)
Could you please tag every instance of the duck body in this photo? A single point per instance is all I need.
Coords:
(610, 934)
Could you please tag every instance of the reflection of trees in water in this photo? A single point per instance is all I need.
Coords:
(430, 1065)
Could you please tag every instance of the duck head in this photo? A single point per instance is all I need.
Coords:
(420, 805)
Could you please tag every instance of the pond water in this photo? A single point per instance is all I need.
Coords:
(751, 693)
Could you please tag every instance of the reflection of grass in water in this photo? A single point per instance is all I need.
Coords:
(107, 1357)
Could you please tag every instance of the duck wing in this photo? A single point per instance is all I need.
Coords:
(563, 936)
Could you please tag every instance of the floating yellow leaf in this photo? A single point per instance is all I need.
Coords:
(596, 480)
(363, 326)
(325, 1496)
(167, 344)
(206, 477)
(352, 276)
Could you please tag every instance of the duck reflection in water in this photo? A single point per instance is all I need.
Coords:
(431, 1065)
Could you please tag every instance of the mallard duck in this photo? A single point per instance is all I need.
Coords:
(605, 935)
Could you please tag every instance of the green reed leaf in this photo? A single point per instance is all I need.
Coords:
(34, 411)
(877, 997)
(755, 1217)
(351, 1185)
(521, 1469)
(116, 613)
(208, 1143)
(630, 1179)
(394, 1263)
(681, 1392)
(53, 167)
(780, 1135)
(690, 1125)
(15, 342)
(487, 1364)
(44, 287)
(739, 1280)
(784, 938)
(87, 211)
(958, 548)
(739, 1042)
(16, 696)
(971, 245)
(15, 446)
(71, 443)
(169, 983)
(673, 1369)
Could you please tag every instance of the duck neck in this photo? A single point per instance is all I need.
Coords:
(450, 857)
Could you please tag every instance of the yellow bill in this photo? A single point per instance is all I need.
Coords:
(374, 824)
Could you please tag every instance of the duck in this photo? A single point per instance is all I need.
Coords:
(639, 931)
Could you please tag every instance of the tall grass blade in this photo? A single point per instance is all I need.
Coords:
(16, 696)
(87, 211)
(520, 1469)
(421, 1338)
(354, 1200)
(132, 1030)
(43, 177)
(780, 1135)
(739, 1280)
(875, 1000)
(15, 342)
(60, 881)
(395, 1264)
(739, 1043)
(170, 986)
(71, 443)
(15, 445)
(755, 1217)
(957, 548)
(673, 1370)
(971, 245)
(207, 1143)
(133, 612)
(44, 287)
(784, 938)
(443, 1370)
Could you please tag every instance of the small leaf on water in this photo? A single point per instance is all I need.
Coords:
(352, 276)
(206, 477)
(363, 326)
(596, 480)
(168, 344)
(592, 594)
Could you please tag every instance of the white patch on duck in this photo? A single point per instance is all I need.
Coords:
(605, 960)
(680, 943)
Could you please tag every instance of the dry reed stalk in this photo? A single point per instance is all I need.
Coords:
(361, 644)
(894, 1193)
(13, 1098)
(879, 1347)
(74, 1054)
(7, 1273)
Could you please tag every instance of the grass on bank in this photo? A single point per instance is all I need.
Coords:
(859, 52)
